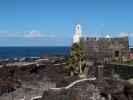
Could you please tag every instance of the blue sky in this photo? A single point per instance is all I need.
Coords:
(52, 22)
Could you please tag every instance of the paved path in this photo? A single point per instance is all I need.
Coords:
(73, 83)
(67, 87)
(37, 97)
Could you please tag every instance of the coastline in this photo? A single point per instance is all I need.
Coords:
(36, 74)
(29, 52)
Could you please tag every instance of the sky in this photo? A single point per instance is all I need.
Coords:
(52, 22)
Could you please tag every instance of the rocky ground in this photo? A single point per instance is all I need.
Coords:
(93, 90)
(31, 78)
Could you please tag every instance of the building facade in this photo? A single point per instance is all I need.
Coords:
(105, 49)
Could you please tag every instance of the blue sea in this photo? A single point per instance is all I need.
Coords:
(12, 52)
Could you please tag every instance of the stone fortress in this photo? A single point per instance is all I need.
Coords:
(103, 49)
(96, 87)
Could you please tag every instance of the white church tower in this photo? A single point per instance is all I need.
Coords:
(77, 34)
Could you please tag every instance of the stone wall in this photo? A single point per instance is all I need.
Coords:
(105, 49)
(122, 71)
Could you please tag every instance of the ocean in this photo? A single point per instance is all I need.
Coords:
(12, 52)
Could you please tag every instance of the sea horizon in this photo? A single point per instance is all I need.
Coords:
(32, 51)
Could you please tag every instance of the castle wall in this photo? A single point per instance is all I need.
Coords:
(105, 49)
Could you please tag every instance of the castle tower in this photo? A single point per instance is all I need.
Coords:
(78, 34)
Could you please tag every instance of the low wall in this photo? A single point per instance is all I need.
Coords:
(122, 70)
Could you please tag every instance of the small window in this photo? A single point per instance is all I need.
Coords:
(117, 53)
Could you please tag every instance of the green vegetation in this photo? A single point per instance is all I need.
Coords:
(127, 62)
(75, 59)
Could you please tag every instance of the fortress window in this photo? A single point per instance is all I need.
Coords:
(116, 53)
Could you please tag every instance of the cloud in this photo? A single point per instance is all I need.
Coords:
(107, 36)
(129, 34)
(33, 34)
(9, 35)
(123, 34)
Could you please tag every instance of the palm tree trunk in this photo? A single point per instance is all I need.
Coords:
(80, 66)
